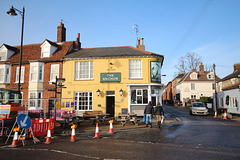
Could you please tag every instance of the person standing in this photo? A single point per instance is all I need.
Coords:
(159, 114)
(148, 111)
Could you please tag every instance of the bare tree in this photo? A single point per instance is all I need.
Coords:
(188, 62)
(181, 66)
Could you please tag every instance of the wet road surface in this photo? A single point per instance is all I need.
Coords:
(194, 137)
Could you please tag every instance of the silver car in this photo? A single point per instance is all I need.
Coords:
(198, 108)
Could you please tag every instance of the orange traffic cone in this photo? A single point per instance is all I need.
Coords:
(215, 116)
(15, 141)
(225, 115)
(73, 136)
(111, 126)
(49, 138)
(97, 132)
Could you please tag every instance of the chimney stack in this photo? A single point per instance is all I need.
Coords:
(201, 68)
(236, 66)
(77, 44)
(140, 46)
(61, 33)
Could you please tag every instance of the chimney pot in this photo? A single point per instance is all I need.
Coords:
(141, 41)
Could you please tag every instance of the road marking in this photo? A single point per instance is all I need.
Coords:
(222, 123)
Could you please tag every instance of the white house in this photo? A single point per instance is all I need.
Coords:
(196, 84)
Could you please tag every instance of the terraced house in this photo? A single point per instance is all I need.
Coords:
(113, 80)
(41, 64)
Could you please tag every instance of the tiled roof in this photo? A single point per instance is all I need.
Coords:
(122, 51)
(230, 76)
(201, 77)
(32, 52)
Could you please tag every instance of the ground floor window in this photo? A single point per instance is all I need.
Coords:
(35, 99)
(139, 96)
(83, 100)
(193, 96)
(233, 102)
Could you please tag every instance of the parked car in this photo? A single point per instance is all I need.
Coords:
(198, 108)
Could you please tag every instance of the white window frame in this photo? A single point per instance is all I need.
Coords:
(193, 96)
(22, 74)
(135, 71)
(86, 104)
(84, 70)
(54, 73)
(193, 86)
(194, 75)
(3, 56)
(5, 78)
(37, 65)
(36, 100)
(233, 102)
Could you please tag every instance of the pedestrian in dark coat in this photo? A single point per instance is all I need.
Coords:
(148, 111)
(159, 114)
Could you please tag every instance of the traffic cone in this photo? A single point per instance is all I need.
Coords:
(225, 115)
(73, 136)
(97, 132)
(15, 141)
(111, 126)
(215, 116)
(49, 138)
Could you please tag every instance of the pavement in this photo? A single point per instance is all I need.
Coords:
(87, 126)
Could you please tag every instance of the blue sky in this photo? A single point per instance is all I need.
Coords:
(210, 28)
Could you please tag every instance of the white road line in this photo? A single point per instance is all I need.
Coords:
(222, 123)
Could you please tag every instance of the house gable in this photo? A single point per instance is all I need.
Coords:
(48, 48)
(6, 52)
(194, 76)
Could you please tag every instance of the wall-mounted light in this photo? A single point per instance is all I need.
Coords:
(98, 92)
(121, 92)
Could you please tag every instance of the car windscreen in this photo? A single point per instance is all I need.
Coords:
(198, 105)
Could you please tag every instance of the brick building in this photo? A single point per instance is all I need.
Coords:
(41, 64)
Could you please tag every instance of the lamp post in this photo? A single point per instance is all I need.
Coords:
(12, 12)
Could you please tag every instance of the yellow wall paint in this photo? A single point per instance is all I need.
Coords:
(120, 65)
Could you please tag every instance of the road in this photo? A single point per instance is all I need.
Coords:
(194, 137)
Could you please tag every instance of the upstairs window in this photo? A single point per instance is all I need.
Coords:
(210, 76)
(135, 68)
(84, 70)
(193, 75)
(54, 72)
(192, 86)
(1, 74)
(22, 74)
(5, 71)
(3, 56)
(36, 71)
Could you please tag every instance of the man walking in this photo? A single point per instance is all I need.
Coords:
(148, 111)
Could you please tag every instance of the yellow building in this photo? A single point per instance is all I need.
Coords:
(114, 80)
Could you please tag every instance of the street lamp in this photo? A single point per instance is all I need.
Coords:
(12, 12)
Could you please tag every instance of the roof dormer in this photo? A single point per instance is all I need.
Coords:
(6, 52)
(210, 76)
(48, 48)
(194, 76)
